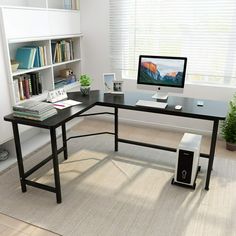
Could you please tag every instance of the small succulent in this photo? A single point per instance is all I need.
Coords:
(85, 80)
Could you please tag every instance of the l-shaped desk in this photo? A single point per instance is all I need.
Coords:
(212, 111)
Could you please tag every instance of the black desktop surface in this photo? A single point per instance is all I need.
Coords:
(212, 110)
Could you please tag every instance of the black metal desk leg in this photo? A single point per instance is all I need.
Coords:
(212, 153)
(19, 156)
(55, 164)
(116, 129)
(63, 128)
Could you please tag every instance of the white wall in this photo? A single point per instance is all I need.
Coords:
(95, 27)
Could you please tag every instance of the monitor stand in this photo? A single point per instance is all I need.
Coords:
(162, 97)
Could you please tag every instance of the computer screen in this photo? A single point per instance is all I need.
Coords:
(161, 73)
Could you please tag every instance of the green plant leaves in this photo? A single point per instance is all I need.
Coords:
(85, 80)
(228, 127)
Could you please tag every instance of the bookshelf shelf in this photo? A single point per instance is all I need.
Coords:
(40, 97)
(42, 38)
(25, 71)
(66, 62)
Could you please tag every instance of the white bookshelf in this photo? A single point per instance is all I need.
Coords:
(37, 23)
(56, 25)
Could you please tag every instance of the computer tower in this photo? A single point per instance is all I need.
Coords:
(188, 153)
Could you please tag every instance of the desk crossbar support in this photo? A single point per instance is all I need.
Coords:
(40, 164)
(87, 135)
(147, 145)
(97, 113)
(41, 186)
(155, 146)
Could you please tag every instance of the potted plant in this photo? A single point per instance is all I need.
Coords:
(85, 83)
(229, 126)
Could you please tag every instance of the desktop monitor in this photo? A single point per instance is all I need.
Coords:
(162, 74)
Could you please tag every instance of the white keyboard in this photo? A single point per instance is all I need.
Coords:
(154, 104)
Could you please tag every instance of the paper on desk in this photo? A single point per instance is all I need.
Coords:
(66, 103)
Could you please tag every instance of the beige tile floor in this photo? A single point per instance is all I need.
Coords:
(11, 226)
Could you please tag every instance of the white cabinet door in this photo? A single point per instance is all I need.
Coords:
(25, 23)
(64, 22)
(37, 23)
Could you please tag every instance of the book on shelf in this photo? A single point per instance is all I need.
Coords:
(16, 90)
(71, 50)
(41, 53)
(34, 77)
(21, 88)
(76, 4)
(28, 85)
(37, 58)
(31, 56)
(68, 4)
(45, 55)
(33, 52)
(25, 57)
(62, 50)
(53, 46)
(67, 51)
(36, 61)
(72, 4)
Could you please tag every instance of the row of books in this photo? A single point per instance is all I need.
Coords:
(31, 56)
(34, 110)
(62, 51)
(27, 85)
(72, 4)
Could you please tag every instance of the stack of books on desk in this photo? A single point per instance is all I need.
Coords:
(34, 110)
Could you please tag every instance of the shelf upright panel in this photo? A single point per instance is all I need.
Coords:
(7, 57)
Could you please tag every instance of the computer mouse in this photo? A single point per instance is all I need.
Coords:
(178, 107)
